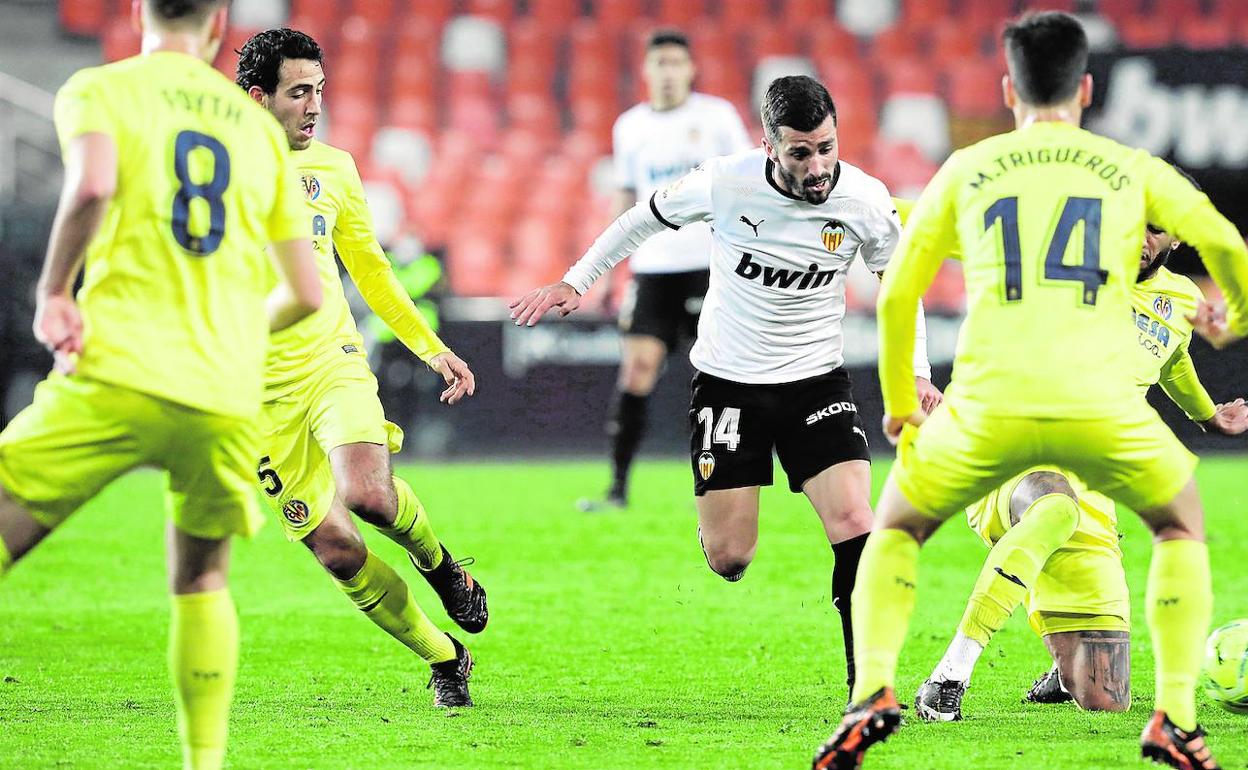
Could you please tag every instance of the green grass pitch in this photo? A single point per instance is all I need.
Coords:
(611, 645)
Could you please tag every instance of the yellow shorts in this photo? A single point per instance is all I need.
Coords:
(960, 454)
(80, 434)
(1082, 586)
(335, 406)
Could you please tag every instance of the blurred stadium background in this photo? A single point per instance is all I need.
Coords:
(483, 129)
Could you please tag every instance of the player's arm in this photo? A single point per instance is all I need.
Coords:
(1180, 382)
(357, 246)
(1177, 206)
(90, 182)
(929, 235)
(687, 200)
(876, 252)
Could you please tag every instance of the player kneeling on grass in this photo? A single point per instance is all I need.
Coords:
(1079, 604)
(327, 444)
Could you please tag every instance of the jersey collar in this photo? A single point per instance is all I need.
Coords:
(836, 175)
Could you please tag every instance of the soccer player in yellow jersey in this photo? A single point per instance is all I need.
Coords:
(174, 183)
(1079, 603)
(327, 444)
(1048, 219)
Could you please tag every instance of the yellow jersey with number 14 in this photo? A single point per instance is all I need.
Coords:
(1049, 220)
(173, 296)
(338, 220)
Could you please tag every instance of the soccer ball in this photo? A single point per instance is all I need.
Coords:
(1224, 676)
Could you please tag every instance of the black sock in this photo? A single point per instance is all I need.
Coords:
(847, 554)
(625, 427)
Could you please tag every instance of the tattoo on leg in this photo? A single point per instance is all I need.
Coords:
(1104, 664)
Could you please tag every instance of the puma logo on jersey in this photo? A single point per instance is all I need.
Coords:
(860, 432)
(811, 278)
(834, 409)
(753, 226)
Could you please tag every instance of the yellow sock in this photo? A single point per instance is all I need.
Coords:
(1178, 604)
(203, 658)
(412, 529)
(381, 594)
(1015, 562)
(6, 558)
(882, 601)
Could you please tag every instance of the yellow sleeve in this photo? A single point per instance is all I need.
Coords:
(1179, 381)
(289, 218)
(82, 107)
(370, 269)
(1185, 212)
(929, 235)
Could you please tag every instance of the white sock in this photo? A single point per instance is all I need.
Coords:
(959, 660)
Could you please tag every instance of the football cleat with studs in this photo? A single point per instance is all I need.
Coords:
(864, 725)
(1164, 743)
(449, 679)
(940, 701)
(461, 595)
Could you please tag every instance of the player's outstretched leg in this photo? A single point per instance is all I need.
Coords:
(884, 598)
(1178, 602)
(1044, 515)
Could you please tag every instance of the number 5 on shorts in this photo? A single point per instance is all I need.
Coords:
(271, 484)
(726, 428)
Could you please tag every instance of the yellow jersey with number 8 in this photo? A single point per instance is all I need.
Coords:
(173, 296)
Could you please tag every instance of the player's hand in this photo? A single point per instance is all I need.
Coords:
(529, 309)
(929, 395)
(893, 425)
(58, 325)
(1209, 321)
(1230, 419)
(460, 381)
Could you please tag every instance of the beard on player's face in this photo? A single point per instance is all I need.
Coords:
(1156, 250)
(810, 187)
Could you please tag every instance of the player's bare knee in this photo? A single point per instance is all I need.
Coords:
(340, 556)
(374, 502)
(1036, 485)
(638, 376)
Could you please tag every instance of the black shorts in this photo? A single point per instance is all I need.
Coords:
(813, 424)
(665, 305)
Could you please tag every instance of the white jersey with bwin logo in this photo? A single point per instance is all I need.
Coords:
(653, 148)
(777, 290)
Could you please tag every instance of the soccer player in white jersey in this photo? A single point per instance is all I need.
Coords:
(786, 222)
(655, 143)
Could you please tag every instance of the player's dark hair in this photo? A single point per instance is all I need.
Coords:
(185, 11)
(796, 101)
(1161, 259)
(1047, 54)
(667, 36)
(260, 59)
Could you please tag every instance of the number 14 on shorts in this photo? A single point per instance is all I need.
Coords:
(725, 429)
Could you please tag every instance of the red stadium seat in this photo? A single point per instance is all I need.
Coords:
(986, 15)
(499, 10)
(804, 13)
(539, 249)
(1145, 32)
(418, 35)
(1174, 11)
(908, 76)
(741, 16)
(767, 38)
(316, 28)
(1228, 11)
(1117, 10)
(596, 115)
(476, 115)
(554, 11)
(902, 166)
(947, 294)
(413, 73)
(919, 14)
(323, 10)
(120, 40)
(721, 78)
(475, 263)
(379, 13)
(973, 91)
(533, 41)
(1069, 6)
(413, 111)
(679, 13)
(1206, 33)
(614, 13)
(354, 137)
(951, 42)
(898, 42)
(435, 12)
(83, 17)
(533, 112)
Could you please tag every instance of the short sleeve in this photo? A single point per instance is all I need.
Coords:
(735, 137)
(621, 157)
(883, 230)
(82, 107)
(288, 218)
(686, 200)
